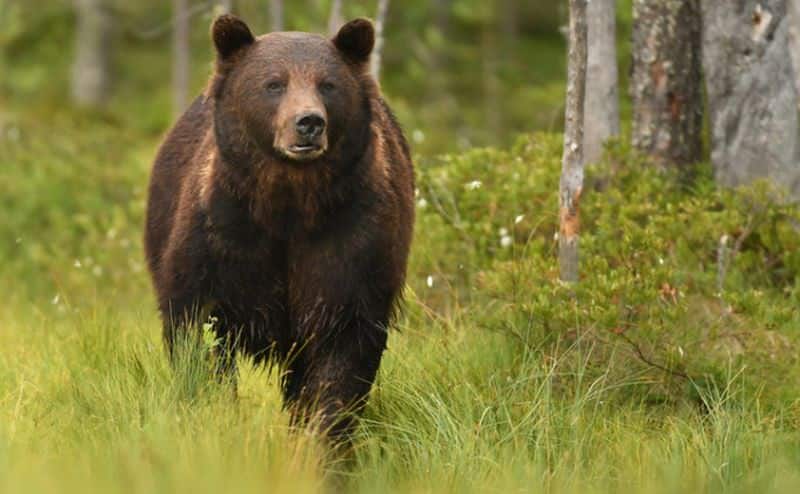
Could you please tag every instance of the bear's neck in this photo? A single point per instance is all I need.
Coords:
(274, 194)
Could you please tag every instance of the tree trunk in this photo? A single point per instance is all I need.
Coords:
(336, 19)
(666, 79)
(276, 14)
(751, 93)
(226, 6)
(91, 71)
(571, 184)
(380, 23)
(509, 19)
(441, 15)
(439, 63)
(181, 55)
(602, 93)
(794, 41)
(491, 82)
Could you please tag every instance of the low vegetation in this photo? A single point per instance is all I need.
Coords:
(667, 369)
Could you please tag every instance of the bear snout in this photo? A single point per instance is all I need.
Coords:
(310, 126)
(303, 136)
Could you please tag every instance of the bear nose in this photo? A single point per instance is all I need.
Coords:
(310, 125)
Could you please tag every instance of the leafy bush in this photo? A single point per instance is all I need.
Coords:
(681, 281)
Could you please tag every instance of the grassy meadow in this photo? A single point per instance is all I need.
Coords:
(672, 368)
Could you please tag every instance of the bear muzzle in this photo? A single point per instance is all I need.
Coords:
(307, 140)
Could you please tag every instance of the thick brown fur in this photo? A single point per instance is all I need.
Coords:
(299, 260)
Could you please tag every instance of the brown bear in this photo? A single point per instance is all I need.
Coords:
(281, 205)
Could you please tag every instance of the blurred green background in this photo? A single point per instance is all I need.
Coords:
(459, 73)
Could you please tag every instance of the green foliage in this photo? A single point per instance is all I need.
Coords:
(681, 280)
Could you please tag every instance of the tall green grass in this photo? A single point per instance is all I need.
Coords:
(652, 376)
(89, 404)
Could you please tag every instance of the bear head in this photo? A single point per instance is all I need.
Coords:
(295, 99)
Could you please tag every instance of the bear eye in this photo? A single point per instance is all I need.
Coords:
(327, 87)
(275, 87)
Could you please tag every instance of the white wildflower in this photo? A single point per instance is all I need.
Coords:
(474, 185)
(519, 219)
(429, 281)
(506, 241)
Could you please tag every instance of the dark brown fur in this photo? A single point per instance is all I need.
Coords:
(299, 261)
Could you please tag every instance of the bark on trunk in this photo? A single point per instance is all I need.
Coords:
(666, 79)
(509, 19)
(602, 93)
(276, 14)
(226, 6)
(336, 19)
(91, 71)
(380, 23)
(491, 83)
(794, 41)
(441, 15)
(181, 54)
(439, 59)
(751, 93)
(571, 184)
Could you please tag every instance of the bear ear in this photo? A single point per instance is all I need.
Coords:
(230, 35)
(356, 39)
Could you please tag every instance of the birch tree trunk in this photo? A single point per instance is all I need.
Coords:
(666, 79)
(751, 93)
(794, 41)
(602, 89)
(571, 184)
(226, 6)
(336, 19)
(380, 23)
(91, 70)
(509, 19)
(441, 12)
(276, 14)
(181, 54)
(441, 15)
(491, 82)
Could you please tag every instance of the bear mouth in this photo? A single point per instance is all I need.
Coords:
(304, 152)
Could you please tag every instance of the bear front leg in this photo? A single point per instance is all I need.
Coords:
(330, 378)
(343, 288)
